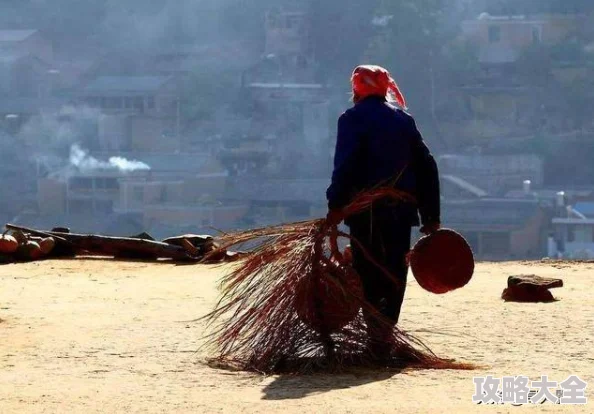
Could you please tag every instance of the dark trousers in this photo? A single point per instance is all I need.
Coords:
(385, 237)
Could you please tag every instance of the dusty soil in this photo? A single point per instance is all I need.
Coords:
(94, 336)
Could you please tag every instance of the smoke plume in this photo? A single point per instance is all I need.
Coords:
(81, 159)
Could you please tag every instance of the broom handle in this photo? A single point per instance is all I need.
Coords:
(334, 250)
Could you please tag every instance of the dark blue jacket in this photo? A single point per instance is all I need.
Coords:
(376, 143)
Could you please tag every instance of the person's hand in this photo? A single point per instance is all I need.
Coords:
(333, 218)
(430, 228)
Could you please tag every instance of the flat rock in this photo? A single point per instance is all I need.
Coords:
(530, 288)
(534, 282)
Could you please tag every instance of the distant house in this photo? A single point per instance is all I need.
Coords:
(140, 113)
(502, 39)
(132, 94)
(287, 33)
(495, 174)
(499, 229)
(26, 64)
(245, 155)
(294, 118)
(276, 201)
(25, 75)
(457, 188)
(17, 111)
(573, 235)
(288, 106)
(26, 42)
(182, 60)
(178, 190)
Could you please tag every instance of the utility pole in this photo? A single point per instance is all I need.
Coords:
(177, 123)
(432, 74)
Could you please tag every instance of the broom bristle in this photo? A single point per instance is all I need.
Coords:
(288, 306)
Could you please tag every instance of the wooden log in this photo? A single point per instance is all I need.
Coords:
(123, 247)
(33, 232)
(204, 244)
(63, 247)
(120, 247)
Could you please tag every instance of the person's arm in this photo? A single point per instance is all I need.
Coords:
(345, 163)
(427, 176)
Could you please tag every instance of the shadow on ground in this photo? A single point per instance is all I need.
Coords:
(291, 387)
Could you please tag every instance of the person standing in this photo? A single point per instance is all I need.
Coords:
(378, 143)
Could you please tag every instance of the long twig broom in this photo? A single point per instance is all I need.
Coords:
(290, 306)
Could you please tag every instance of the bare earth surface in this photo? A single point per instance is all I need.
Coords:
(91, 336)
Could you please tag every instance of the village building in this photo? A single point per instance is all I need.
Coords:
(27, 42)
(500, 229)
(176, 191)
(574, 238)
(138, 113)
(289, 107)
(503, 39)
(573, 227)
(495, 174)
(274, 201)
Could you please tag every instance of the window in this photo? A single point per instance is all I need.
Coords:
(104, 183)
(93, 101)
(494, 34)
(581, 234)
(104, 206)
(293, 22)
(80, 206)
(274, 21)
(301, 62)
(138, 194)
(139, 104)
(81, 183)
(495, 243)
(113, 103)
(570, 234)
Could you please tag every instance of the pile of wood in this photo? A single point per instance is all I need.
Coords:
(21, 244)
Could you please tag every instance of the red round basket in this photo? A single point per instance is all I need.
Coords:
(442, 262)
(329, 301)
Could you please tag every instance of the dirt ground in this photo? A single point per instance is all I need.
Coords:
(92, 336)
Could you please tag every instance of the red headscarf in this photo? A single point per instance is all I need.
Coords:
(371, 80)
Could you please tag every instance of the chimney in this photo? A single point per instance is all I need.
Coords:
(561, 205)
(561, 199)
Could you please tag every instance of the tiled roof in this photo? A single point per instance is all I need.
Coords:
(15, 35)
(27, 105)
(586, 208)
(489, 213)
(254, 189)
(127, 84)
(182, 162)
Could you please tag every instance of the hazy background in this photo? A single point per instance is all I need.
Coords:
(437, 64)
